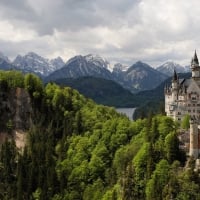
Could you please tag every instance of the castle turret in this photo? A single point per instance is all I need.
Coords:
(174, 86)
(195, 67)
(194, 139)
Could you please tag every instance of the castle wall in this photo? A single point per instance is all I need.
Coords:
(194, 140)
(183, 97)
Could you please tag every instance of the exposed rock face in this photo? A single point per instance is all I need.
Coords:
(22, 103)
(15, 107)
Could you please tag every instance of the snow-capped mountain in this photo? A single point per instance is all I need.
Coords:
(5, 63)
(32, 62)
(5, 58)
(57, 62)
(169, 67)
(118, 72)
(80, 66)
(141, 76)
(97, 60)
(120, 67)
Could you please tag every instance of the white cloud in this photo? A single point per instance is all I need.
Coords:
(11, 33)
(121, 31)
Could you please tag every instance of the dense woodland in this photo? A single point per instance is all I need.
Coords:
(77, 149)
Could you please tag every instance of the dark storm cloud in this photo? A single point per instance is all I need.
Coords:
(48, 15)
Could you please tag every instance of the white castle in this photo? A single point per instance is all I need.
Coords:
(182, 98)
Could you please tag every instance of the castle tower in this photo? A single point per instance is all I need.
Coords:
(174, 86)
(194, 138)
(195, 67)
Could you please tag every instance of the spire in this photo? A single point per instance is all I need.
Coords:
(195, 60)
(175, 77)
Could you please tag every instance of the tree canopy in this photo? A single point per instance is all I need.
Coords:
(77, 149)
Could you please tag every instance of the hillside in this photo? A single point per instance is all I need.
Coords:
(168, 68)
(141, 76)
(102, 91)
(81, 66)
(110, 93)
(76, 149)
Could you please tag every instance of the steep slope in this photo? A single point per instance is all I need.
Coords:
(118, 72)
(5, 65)
(169, 67)
(102, 91)
(3, 57)
(140, 76)
(80, 66)
(76, 149)
(34, 63)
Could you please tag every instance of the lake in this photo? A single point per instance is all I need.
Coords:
(127, 111)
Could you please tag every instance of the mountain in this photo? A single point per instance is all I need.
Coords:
(141, 76)
(32, 62)
(97, 60)
(80, 66)
(138, 77)
(168, 68)
(118, 67)
(3, 57)
(102, 91)
(5, 63)
(57, 62)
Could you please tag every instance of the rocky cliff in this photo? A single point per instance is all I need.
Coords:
(15, 118)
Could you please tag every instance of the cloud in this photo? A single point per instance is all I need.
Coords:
(121, 31)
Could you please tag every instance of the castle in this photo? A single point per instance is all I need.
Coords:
(182, 98)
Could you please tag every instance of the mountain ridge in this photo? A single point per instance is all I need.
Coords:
(138, 77)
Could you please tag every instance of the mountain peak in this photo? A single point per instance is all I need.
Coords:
(97, 60)
(120, 67)
(3, 57)
(169, 66)
(32, 62)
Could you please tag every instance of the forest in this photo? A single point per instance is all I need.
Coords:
(79, 150)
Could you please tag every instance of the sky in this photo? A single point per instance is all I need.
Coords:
(125, 31)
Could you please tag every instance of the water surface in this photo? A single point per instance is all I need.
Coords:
(127, 111)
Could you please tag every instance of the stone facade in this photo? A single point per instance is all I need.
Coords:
(182, 97)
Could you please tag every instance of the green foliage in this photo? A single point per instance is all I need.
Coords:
(172, 147)
(158, 181)
(11, 79)
(77, 149)
(9, 125)
(33, 85)
(185, 124)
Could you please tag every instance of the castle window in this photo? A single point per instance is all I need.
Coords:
(181, 97)
(193, 97)
(179, 113)
(193, 110)
(189, 105)
(171, 107)
(198, 104)
(189, 110)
